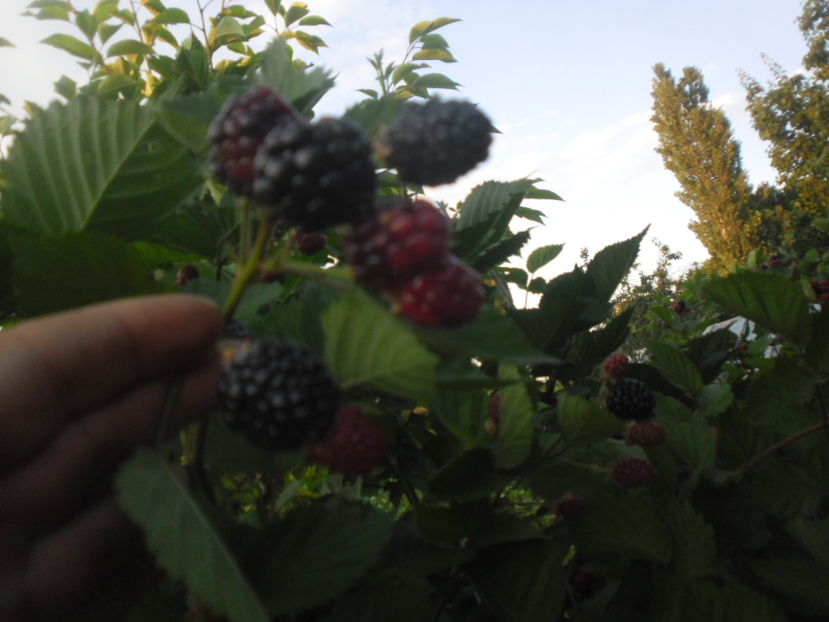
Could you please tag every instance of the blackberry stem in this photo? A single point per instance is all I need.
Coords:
(822, 425)
(250, 266)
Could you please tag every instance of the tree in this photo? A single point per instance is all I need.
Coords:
(697, 145)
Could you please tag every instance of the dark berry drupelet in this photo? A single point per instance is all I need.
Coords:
(630, 399)
(402, 241)
(239, 129)
(450, 295)
(279, 394)
(316, 175)
(355, 446)
(437, 141)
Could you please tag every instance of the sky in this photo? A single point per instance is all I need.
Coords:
(567, 83)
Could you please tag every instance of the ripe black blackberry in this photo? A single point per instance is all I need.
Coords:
(437, 141)
(279, 394)
(239, 129)
(630, 399)
(316, 175)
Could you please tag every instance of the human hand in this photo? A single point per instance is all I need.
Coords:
(78, 392)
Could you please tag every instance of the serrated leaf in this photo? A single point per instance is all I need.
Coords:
(429, 25)
(171, 16)
(515, 423)
(714, 399)
(530, 214)
(589, 348)
(543, 255)
(583, 421)
(296, 11)
(694, 445)
(329, 546)
(676, 367)
(612, 263)
(767, 298)
(800, 579)
(499, 252)
(94, 164)
(694, 550)
(434, 81)
(181, 535)
(535, 589)
(366, 345)
(541, 193)
(301, 87)
(468, 477)
(71, 44)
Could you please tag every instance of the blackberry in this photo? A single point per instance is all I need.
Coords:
(239, 129)
(450, 295)
(279, 394)
(645, 434)
(186, 274)
(630, 399)
(316, 175)
(310, 243)
(632, 472)
(437, 141)
(614, 366)
(355, 446)
(400, 242)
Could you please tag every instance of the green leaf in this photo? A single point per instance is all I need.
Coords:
(818, 349)
(463, 412)
(404, 69)
(50, 9)
(514, 275)
(66, 87)
(310, 42)
(694, 445)
(541, 193)
(429, 25)
(5, 42)
(95, 164)
(70, 44)
(676, 367)
(171, 16)
(534, 589)
(583, 421)
(530, 214)
(589, 348)
(317, 552)
(434, 81)
(434, 41)
(611, 264)
(813, 537)
(695, 552)
(434, 54)
(388, 596)
(800, 579)
(301, 87)
(543, 255)
(102, 267)
(366, 345)
(491, 336)
(499, 252)
(274, 5)
(371, 115)
(105, 31)
(228, 29)
(515, 423)
(117, 83)
(767, 298)
(715, 399)
(468, 477)
(86, 23)
(105, 9)
(296, 11)
(185, 542)
(313, 20)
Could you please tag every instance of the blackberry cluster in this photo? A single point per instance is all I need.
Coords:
(630, 399)
(396, 245)
(279, 394)
(437, 141)
(239, 129)
(316, 175)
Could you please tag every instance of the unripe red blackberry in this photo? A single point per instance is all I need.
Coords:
(679, 306)
(316, 175)
(279, 394)
(645, 434)
(632, 472)
(355, 446)
(400, 242)
(310, 243)
(630, 399)
(239, 129)
(450, 295)
(614, 366)
(186, 274)
(571, 506)
(436, 142)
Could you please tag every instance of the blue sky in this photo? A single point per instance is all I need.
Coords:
(568, 83)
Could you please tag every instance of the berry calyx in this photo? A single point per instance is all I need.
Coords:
(437, 141)
(632, 472)
(238, 131)
(355, 446)
(630, 399)
(399, 243)
(316, 175)
(645, 434)
(279, 394)
(450, 295)
(614, 366)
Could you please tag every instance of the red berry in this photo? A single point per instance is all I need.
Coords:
(614, 366)
(632, 472)
(398, 244)
(186, 274)
(679, 306)
(451, 295)
(571, 506)
(355, 446)
(310, 243)
(239, 130)
(645, 434)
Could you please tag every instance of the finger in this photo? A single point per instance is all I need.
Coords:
(53, 368)
(80, 463)
(66, 569)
